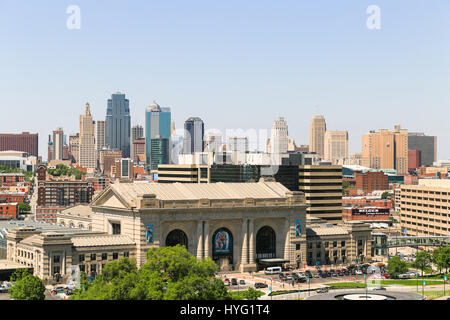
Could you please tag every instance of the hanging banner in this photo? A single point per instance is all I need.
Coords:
(298, 228)
(222, 243)
(149, 233)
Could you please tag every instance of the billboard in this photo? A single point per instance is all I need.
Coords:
(222, 242)
(149, 233)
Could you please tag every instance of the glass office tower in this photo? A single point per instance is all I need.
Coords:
(118, 124)
(157, 126)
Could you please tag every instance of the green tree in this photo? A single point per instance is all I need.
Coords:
(26, 286)
(423, 261)
(396, 266)
(170, 273)
(253, 294)
(441, 258)
(385, 195)
(24, 207)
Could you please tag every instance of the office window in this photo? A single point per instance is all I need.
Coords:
(115, 256)
(82, 268)
(93, 257)
(115, 228)
(104, 256)
(81, 257)
(334, 244)
(342, 243)
(326, 244)
(126, 254)
(56, 259)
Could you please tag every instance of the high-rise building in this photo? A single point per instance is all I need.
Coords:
(279, 141)
(386, 149)
(25, 142)
(157, 125)
(317, 131)
(159, 151)
(414, 159)
(322, 186)
(118, 124)
(51, 149)
(107, 160)
(237, 144)
(137, 132)
(194, 130)
(101, 134)
(58, 143)
(88, 157)
(74, 147)
(336, 146)
(138, 148)
(213, 142)
(427, 145)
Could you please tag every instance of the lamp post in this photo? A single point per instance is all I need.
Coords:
(271, 297)
(445, 280)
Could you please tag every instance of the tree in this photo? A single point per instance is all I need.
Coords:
(423, 261)
(396, 265)
(26, 286)
(385, 195)
(252, 294)
(24, 207)
(441, 258)
(170, 273)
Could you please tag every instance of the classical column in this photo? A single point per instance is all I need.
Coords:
(287, 242)
(251, 251)
(244, 254)
(199, 239)
(207, 239)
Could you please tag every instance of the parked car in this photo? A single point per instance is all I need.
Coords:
(358, 272)
(323, 275)
(260, 285)
(242, 282)
(316, 275)
(226, 282)
(234, 281)
(339, 273)
(301, 279)
(386, 275)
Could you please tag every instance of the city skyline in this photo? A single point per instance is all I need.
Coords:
(235, 65)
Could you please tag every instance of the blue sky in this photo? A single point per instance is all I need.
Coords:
(236, 64)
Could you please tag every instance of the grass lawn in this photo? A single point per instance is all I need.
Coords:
(408, 282)
(345, 285)
(433, 294)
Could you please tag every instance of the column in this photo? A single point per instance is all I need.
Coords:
(244, 254)
(207, 239)
(251, 251)
(199, 239)
(287, 242)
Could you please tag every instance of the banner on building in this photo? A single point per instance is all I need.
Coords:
(298, 228)
(222, 242)
(149, 233)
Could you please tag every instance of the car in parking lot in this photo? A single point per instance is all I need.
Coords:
(242, 282)
(386, 275)
(323, 275)
(226, 282)
(316, 275)
(358, 272)
(261, 285)
(234, 281)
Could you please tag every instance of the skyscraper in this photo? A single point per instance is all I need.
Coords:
(101, 134)
(386, 149)
(427, 145)
(194, 130)
(317, 135)
(213, 142)
(118, 124)
(279, 140)
(74, 147)
(336, 146)
(58, 144)
(88, 157)
(157, 126)
(25, 141)
(137, 132)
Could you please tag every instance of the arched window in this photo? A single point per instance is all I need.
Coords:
(265, 243)
(175, 237)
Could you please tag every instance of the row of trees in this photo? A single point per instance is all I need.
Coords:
(63, 170)
(29, 175)
(440, 258)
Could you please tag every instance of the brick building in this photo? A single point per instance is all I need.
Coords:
(371, 181)
(10, 197)
(414, 159)
(11, 179)
(9, 209)
(365, 213)
(25, 142)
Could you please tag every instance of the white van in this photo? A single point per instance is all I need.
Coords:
(273, 270)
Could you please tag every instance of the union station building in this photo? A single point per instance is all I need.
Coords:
(241, 226)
